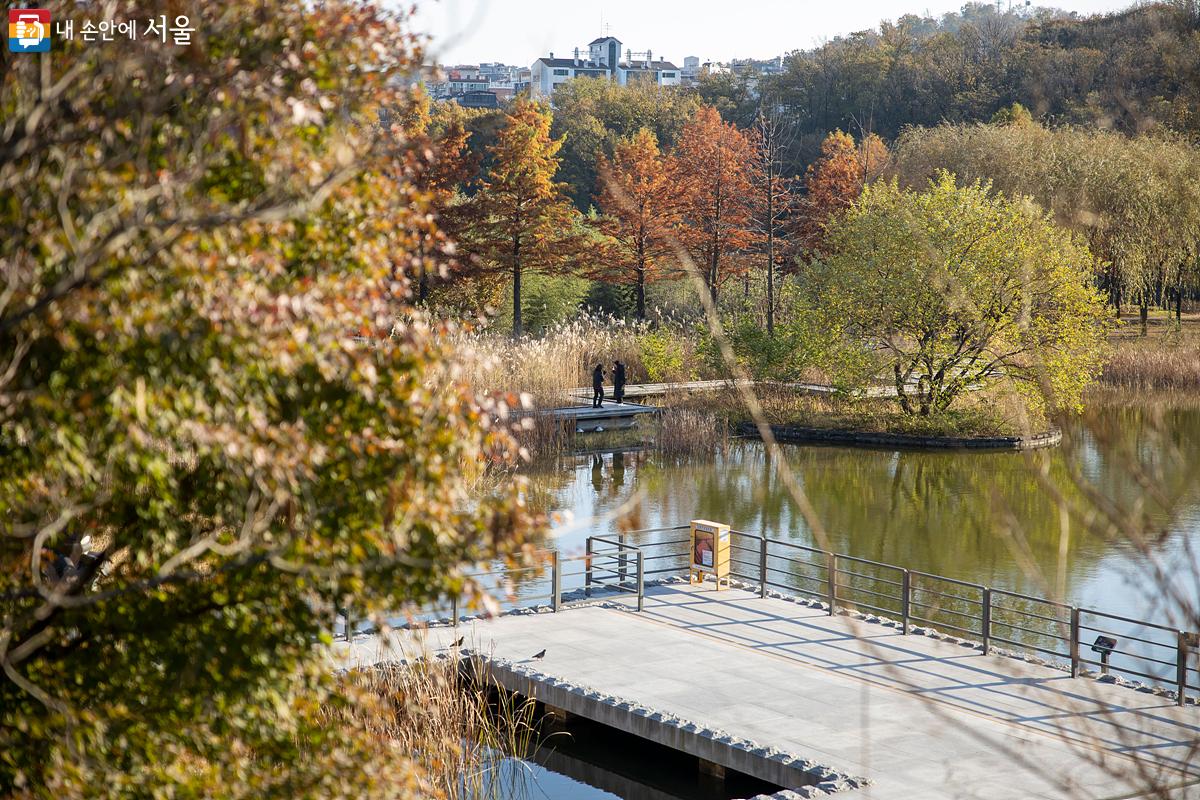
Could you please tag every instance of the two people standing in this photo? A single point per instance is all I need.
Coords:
(598, 384)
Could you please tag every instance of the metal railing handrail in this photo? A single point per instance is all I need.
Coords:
(978, 608)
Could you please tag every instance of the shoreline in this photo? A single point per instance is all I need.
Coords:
(842, 437)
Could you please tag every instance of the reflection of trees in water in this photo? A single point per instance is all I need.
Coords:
(981, 517)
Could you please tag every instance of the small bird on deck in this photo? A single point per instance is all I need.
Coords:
(538, 656)
(459, 642)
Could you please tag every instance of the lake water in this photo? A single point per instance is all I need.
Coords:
(988, 518)
(984, 517)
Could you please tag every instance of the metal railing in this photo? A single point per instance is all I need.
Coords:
(1144, 650)
(621, 564)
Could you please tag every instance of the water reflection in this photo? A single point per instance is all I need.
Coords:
(982, 517)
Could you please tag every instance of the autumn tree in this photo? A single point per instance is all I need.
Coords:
(713, 177)
(832, 183)
(950, 287)
(639, 205)
(523, 221)
(217, 425)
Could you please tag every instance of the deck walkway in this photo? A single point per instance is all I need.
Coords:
(636, 391)
(919, 717)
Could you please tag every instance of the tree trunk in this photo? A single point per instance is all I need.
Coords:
(901, 395)
(713, 266)
(516, 287)
(771, 249)
(1179, 306)
(641, 293)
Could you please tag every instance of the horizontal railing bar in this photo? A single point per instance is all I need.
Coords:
(869, 561)
(796, 575)
(1143, 623)
(1007, 593)
(1001, 639)
(616, 586)
(747, 535)
(1008, 610)
(868, 577)
(797, 561)
(664, 543)
(1127, 636)
(946, 610)
(733, 560)
(944, 625)
(797, 546)
(659, 530)
(664, 555)
(968, 584)
(850, 588)
(999, 624)
(978, 602)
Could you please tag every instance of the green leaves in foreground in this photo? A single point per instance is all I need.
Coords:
(210, 384)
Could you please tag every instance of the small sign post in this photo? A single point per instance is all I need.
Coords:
(710, 552)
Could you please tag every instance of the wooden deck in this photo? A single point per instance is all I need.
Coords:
(645, 390)
(610, 415)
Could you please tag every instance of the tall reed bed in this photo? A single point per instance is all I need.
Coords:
(459, 731)
(1168, 362)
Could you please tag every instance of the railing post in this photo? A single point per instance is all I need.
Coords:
(905, 594)
(987, 620)
(454, 608)
(762, 565)
(641, 579)
(621, 561)
(587, 569)
(1074, 641)
(831, 569)
(1181, 655)
(555, 582)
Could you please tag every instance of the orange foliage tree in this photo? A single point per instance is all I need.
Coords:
(835, 181)
(639, 206)
(523, 220)
(712, 176)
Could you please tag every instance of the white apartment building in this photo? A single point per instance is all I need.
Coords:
(603, 60)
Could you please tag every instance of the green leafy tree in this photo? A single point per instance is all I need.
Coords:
(950, 287)
(216, 426)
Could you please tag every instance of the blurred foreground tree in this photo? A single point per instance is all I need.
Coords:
(214, 431)
(950, 287)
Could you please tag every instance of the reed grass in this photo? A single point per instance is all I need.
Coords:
(691, 430)
(458, 729)
(1167, 362)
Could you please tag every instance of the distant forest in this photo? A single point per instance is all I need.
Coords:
(1132, 71)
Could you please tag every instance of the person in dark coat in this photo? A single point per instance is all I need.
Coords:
(598, 386)
(619, 382)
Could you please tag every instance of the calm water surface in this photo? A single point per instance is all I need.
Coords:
(980, 517)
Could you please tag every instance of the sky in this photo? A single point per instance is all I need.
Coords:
(520, 31)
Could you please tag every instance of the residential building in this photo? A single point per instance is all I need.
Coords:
(602, 60)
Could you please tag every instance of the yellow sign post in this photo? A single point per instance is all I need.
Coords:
(710, 552)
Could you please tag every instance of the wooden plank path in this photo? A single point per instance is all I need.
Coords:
(637, 391)
(919, 717)
(609, 416)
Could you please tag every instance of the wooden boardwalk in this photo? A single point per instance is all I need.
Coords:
(919, 717)
(609, 416)
(645, 390)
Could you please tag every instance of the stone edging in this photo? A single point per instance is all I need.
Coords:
(827, 780)
(798, 434)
